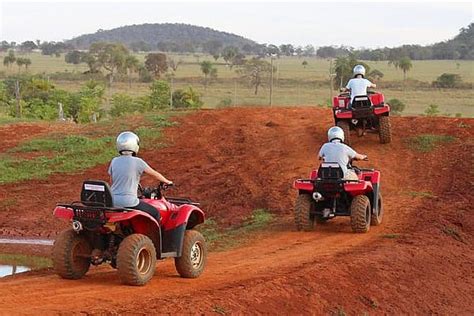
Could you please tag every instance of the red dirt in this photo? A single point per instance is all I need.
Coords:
(237, 160)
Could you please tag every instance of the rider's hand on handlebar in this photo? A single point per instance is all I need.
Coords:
(365, 158)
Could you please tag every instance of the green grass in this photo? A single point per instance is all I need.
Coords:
(428, 142)
(71, 153)
(219, 239)
(424, 194)
(34, 262)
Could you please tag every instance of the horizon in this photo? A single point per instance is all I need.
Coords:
(396, 23)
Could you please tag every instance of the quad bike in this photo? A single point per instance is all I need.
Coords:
(326, 195)
(130, 240)
(367, 113)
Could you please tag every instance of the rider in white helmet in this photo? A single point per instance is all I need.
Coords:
(336, 151)
(358, 85)
(125, 172)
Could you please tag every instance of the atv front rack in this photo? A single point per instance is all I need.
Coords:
(181, 201)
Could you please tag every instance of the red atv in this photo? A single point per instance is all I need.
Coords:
(367, 112)
(130, 240)
(326, 195)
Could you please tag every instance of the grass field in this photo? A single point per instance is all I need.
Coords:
(294, 85)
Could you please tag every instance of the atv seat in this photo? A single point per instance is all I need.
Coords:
(361, 101)
(96, 193)
(330, 171)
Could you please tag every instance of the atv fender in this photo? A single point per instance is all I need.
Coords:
(358, 188)
(343, 114)
(303, 185)
(185, 217)
(385, 110)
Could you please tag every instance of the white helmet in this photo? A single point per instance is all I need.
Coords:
(335, 132)
(128, 141)
(359, 70)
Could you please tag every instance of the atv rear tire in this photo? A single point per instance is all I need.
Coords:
(303, 219)
(360, 214)
(376, 219)
(345, 127)
(194, 256)
(70, 251)
(385, 133)
(136, 259)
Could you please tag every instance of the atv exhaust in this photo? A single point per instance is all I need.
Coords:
(317, 196)
(77, 226)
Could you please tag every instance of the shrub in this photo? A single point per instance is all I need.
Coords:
(160, 94)
(224, 103)
(396, 106)
(432, 110)
(447, 81)
(122, 104)
(187, 98)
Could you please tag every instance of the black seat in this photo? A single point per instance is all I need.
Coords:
(361, 101)
(96, 193)
(330, 171)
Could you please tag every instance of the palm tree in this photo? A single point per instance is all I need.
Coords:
(206, 68)
(9, 59)
(405, 65)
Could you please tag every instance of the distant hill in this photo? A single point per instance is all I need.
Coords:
(169, 36)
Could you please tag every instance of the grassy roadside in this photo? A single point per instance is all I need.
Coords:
(33, 262)
(428, 142)
(223, 239)
(71, 153)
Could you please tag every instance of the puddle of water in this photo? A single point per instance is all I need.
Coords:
(26, 241)
(6, 270)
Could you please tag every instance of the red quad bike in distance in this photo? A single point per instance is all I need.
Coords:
(368, 112)
(130, 240)
(326, 195)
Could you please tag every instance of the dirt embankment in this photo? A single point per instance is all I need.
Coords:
(419, 261)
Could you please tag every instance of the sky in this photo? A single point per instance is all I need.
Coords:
(354, 23)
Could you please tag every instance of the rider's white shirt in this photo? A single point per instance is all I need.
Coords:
(358, 86)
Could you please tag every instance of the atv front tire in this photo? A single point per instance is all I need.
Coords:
(360, 214)
(376, 219)
(70, 255)
(194, 256)
(345, 127)
(385, 133)
(136, 260)
(303, 219)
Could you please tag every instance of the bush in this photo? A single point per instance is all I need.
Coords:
(160, 94)
(396, 106)
(447, 81)
(187, 98)
(224, 103)
(122, 104)
(432, 110)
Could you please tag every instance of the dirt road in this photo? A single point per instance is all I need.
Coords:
(234, 161)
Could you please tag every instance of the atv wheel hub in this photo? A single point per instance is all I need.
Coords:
(144, 261)
(196, 255)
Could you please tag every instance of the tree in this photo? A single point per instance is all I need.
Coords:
(74, 57)
(287, 49)
(376, 74)
(131, 66)
(212, 47)
(304, 63)
(9, 59)
(187, 98)
(309, 50)
(208, 69)
(160, 94)
(110, 56)
(20, 61)
(174, 64)
(156, 63)
(405, 65)
(229, 53)
(28, 46)
(91, 61)
(447, 81)
(396, 106)
(256, 71)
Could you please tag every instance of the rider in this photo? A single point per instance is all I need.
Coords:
(125, 171)
(358, 85)
(336, 151)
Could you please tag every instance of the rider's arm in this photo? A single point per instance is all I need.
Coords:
(157, 175)
(360, 157)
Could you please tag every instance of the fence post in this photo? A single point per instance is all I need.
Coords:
(17, 95)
